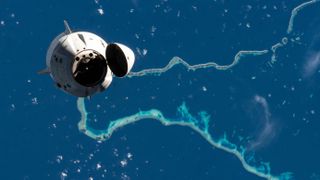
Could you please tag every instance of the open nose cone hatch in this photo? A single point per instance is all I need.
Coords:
(90, 71)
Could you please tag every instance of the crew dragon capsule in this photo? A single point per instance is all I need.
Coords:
(82, 63)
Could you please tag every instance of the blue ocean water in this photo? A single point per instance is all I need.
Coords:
(265, 106)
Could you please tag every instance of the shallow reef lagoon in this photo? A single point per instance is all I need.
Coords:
(219, 90)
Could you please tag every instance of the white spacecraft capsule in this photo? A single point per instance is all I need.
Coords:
(82, 63)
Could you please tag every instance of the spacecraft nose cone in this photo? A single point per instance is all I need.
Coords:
(120, 59)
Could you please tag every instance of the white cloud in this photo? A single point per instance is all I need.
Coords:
(267, 130)
(312, 64)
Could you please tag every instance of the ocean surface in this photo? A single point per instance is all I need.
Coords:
(220, 89)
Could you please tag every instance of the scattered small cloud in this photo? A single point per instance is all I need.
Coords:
(100, 11)
(100, 8)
